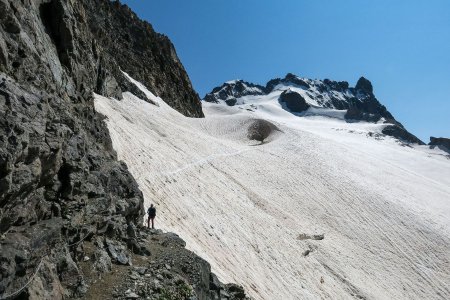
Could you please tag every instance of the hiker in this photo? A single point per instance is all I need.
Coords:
(151, 215)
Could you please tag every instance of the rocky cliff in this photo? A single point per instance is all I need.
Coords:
(297, 95)
(441, 143)
(61, 186)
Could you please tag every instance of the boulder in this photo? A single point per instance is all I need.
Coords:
(293, 101)
(118, 252)
(260, 130)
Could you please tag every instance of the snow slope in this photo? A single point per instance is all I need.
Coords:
(252, 210)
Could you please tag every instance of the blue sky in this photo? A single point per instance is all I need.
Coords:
(402, 46)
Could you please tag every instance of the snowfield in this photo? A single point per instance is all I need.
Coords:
(256, 212)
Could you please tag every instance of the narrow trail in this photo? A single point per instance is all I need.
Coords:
(205, 160)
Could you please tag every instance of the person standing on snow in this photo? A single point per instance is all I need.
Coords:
(151, 215)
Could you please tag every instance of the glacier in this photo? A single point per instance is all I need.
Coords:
(258, 212)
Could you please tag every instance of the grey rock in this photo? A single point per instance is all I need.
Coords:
(81, 289)
(364, 85)
(215, 284)
(318, 237)
(289, 78)
(3, 55)
(231, 102)
(131, 230)
(260, 129)
(400, 133)
(172, 239)
(118, 252)
(235, 291)
(11, 25)
(224, 294)
(293, 101)
(134, 276)
(166, 274)
(441, 143)
(107, 84)
(355, 114)
(157, 284)
(189, 276)
(140, 270)
(229, 91)
(144, 54)
(131, 295)
(102, 261)
(4, 9)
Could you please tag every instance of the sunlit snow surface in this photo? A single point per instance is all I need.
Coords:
(384, 208)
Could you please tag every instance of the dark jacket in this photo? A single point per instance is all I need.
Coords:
(151, 212)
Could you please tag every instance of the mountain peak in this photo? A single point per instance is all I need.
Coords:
(290, 76)
(365, 85)
(233, 89)
(300, 95)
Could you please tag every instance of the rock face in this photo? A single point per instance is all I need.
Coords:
(61, 185)
(145, 55)
(364, 85)
(294, 101)
(299, 94)
(231, 90)
(402, 134)
(442, 143)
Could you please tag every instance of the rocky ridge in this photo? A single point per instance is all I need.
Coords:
(298, 94)
(441, 143)
(62, 189)
(231, 90)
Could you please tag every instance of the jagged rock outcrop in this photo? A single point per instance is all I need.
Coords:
(170, 271)
(364, 85)
(297, 95)
(61, 186)
(441, 143)
(402, 134)
(145, 55)
(231, 90)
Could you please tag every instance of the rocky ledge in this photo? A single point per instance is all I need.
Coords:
(165, 270)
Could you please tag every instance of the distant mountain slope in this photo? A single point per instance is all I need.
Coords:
(305, 96)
